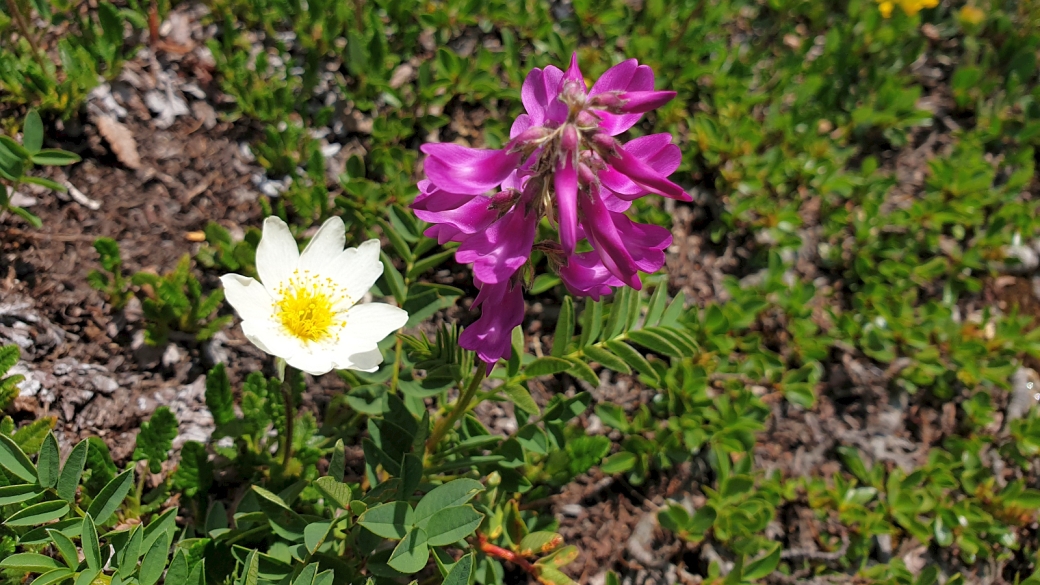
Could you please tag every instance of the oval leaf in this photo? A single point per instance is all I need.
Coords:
(411, 554)
(38, 514)
(13, 459)
(453, 493)
(111, 496)
(389, 520)
(451, 525)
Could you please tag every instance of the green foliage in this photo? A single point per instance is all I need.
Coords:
(175, 302)
(156, 438)
(9, 355)
(112, 281)
(16, 160)
(225, 253)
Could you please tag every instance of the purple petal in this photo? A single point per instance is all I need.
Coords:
(616, 78)
(607, 241)
(468, 171)
(646, 243)
(574, 72)
(657, 151)
(455, 215)
(586, 276)
(625, 76)
(502, 309)
(500, 249)
(565, 181)
(522, 122)
(646, 176)
(639, 102)
(540, 95)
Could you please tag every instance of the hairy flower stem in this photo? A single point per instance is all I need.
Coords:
(461, 407)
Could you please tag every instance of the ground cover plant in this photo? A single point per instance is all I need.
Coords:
(599, 292)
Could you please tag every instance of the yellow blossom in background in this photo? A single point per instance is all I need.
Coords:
(971, 15)
(910, 7)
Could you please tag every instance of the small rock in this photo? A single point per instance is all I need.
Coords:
(1025, 393)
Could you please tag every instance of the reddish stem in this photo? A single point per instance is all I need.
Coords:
(505, 555)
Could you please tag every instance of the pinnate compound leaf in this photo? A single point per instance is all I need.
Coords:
(38, 514)
(111, 496)
(391, 520)
(450, 525)
(219, 400)
(453, 493)
(411, 554)
(68, 480)
(155, 439)
(9, 355)
(13, 459)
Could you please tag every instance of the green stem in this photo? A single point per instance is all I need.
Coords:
(397, 366)
(461, 407)
(287, 397)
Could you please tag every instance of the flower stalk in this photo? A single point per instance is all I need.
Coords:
(460, 408)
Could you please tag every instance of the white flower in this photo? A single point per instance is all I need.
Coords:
(303, 309)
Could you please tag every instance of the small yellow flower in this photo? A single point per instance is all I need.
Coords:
(971, 15)
(886, 8)
(910, 7)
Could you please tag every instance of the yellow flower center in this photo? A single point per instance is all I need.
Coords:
(305, 307)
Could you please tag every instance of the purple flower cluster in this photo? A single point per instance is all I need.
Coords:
(563, 161)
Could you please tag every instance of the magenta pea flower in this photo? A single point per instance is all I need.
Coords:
(562, 162)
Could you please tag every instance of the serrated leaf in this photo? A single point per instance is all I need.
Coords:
(411, 554)
(219, 400)
(30, 437)
(391, 520)
(564, 328)
(111, 497)
(13, 459)
(520, 397)
(155, 439)
(38, 514)
(48, 464)
(546, 366)
(68, 480)
(453, 493)
(450, 525)
(9, 356)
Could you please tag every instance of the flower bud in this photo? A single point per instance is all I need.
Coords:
(569, 139)
(586, 176)
(638, 102)
(529, 139)
(587, 119)
(573, 94)
(504, 200)
(608, 101)
(605, 145)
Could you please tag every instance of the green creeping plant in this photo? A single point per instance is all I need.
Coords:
(17, 159)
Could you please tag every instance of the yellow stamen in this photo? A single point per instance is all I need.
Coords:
(306, 309)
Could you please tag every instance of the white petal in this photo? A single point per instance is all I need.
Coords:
(270, 338)
(324, 246)
(356, 269)
(314, 363)
(277, 256)
(366, 361)
(371, 322)
(248, 297)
